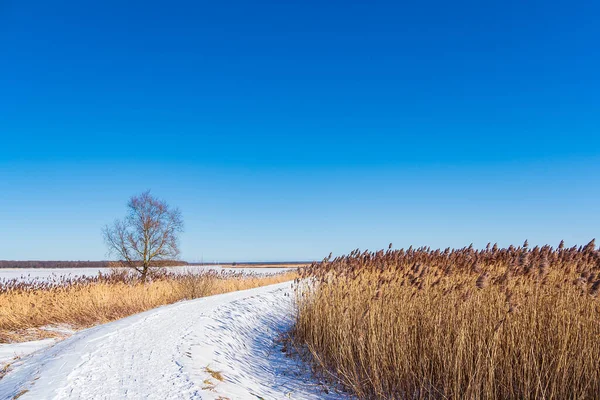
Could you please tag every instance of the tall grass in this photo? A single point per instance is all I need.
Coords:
(86, 301)
(515, 323)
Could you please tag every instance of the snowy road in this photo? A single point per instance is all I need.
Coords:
(218, 347)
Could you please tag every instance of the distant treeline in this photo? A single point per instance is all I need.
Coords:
(73, 264)
(106, 264)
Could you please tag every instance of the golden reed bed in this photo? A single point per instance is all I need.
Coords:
(515, 323)
(83, 302)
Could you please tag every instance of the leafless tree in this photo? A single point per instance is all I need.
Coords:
(147, 236)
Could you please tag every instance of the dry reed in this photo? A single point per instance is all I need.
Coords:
(82, 302)
(515, 323)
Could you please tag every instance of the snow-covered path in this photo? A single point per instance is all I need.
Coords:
(175, 352)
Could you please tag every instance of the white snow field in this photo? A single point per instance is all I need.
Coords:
(30, 274)
(175, 352)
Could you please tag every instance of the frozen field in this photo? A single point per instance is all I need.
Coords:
(28, 274)
(220, 347)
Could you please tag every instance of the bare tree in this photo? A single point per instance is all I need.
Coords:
(147, 235)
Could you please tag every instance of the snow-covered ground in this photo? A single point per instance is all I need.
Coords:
(28, 274)
(220, 347)
(10, 352)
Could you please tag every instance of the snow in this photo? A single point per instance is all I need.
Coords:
(10, 352)
(174, 352)
(30, 274)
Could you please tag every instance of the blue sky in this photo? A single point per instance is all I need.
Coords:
(286, 130)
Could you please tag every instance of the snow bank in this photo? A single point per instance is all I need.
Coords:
(12, 351)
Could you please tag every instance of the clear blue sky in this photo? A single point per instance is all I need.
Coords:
(286, 130)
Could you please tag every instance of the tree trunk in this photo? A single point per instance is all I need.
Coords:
(144, 272)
